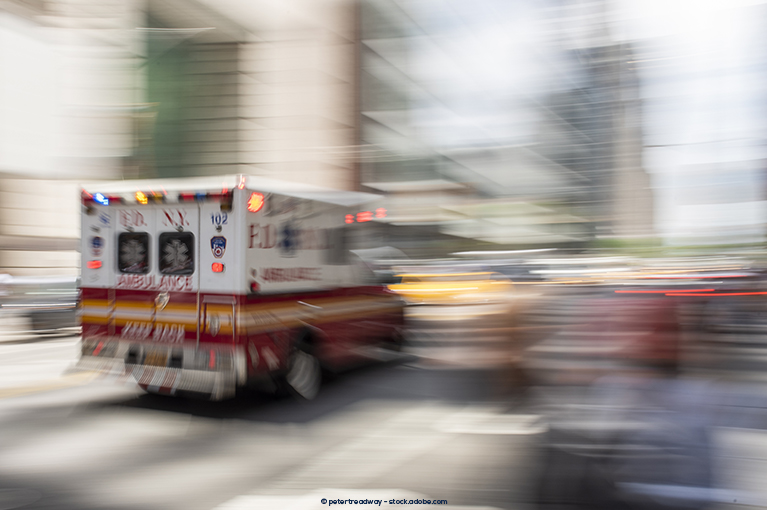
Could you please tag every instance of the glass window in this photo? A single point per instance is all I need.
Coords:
(133, 252)
(177, 253)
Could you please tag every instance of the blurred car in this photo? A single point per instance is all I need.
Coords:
(50, 303)
(453, 288)
(468, 319)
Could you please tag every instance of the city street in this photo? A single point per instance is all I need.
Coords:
(390, 431)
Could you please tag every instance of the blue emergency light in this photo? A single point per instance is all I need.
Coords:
(101, 199)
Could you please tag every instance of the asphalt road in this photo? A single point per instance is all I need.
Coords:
(384, 432)
(395, 431)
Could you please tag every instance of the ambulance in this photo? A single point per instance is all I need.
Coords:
(206, 285)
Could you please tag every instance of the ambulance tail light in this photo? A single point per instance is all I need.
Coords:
(94, 264)
(254, 287)
(217, 267)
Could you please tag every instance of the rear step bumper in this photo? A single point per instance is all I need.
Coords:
(214, 384)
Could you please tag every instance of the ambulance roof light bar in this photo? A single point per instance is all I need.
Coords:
(215, 184)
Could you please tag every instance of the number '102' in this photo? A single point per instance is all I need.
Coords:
(219, 218)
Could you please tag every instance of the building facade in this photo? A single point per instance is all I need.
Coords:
(530, 113)
(165, 88)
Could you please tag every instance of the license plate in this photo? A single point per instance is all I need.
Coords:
(156, 359)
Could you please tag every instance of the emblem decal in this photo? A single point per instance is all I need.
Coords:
(161, 300)
(97, 246)
(218, 246)
(289, 239)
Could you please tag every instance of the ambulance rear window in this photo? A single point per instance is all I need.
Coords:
(133, 252)
(177, 253)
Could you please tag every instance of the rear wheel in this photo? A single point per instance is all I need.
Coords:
(304, 375)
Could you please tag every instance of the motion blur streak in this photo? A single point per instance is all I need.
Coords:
(572, 209)
(666, 291)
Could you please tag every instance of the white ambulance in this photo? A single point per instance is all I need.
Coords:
(205, 285)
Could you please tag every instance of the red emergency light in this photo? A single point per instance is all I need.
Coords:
(94, 264)
(365, 216)
(217, 267)
(255, 202)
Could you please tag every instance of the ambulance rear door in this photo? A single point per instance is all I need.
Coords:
(177, 270)
(157, 276)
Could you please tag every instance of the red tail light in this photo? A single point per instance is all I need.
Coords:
(254, 287)
(217, 267)
(94, 264)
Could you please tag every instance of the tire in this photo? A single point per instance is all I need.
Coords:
(304, 376)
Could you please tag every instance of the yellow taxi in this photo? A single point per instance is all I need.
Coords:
(452, 288)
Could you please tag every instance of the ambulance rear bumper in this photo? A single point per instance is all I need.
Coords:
(213, 384)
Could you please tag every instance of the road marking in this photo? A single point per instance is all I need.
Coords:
(350, 462)
(473, 420)
(66, 381)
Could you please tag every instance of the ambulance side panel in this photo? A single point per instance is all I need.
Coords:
(296, 255)
(97, 282)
